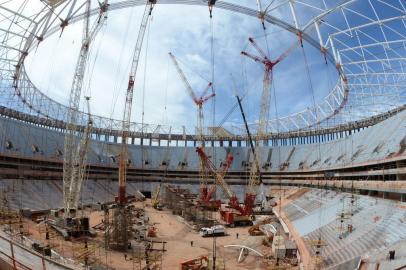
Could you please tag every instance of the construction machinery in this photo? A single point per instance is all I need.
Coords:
(200, 263)
(155, 200)
(217, 230)
(235, 214)
(120, 231)
(255, 179)
(199, 102)
(76, 149)
(206, 199)
(255, 229)
(75, 152)
(123, 161)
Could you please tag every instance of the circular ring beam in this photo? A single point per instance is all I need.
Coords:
(374, 79)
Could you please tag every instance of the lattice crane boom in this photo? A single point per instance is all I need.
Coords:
(122, 174)
(219, 177)
(80, 163)
(184, 79)
(71, 143)
(198, 100)
(264, 109)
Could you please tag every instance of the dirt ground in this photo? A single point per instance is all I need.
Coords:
(179, 246)
(182, 243)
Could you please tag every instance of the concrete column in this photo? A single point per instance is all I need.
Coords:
(400, 177)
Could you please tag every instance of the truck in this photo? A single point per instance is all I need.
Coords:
(217, 230)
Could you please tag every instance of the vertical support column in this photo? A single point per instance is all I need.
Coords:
(12, 255)
(400, 177)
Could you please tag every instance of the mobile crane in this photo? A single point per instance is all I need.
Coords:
(235, 214)
(206, 200)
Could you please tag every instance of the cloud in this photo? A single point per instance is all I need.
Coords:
(159, 93)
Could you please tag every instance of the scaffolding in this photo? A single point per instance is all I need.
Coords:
(183, 203)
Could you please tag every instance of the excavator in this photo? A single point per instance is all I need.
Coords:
(155, 200)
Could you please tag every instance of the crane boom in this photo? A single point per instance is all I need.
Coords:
(183, 77)
(199, 101)
(79, 168)
(219, 178)
(71, 143)
(220, 175)
(255, 174)
(122, 173)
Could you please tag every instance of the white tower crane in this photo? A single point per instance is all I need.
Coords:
(199, 101)
(255, 177)
(71, 182)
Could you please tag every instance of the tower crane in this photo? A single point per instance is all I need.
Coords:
(255, 175)
(71, 172)
(123, 161)
(199, 101)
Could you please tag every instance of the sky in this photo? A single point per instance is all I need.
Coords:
(186, 32)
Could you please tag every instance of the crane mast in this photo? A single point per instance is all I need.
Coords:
(79, 166)
(199, 101)
(219, 177)
(71, 144)
(255, 174)
(123, 161)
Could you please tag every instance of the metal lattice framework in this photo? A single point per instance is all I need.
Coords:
(364, 39)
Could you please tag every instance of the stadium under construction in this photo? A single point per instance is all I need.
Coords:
(202, 134)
